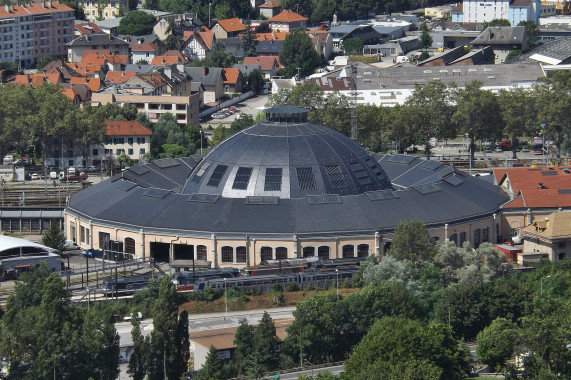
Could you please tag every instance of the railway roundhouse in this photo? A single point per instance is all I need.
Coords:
(283, 188)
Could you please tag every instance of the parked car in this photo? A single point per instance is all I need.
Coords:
(488, 149)
(234, 109)
(219, 115)
(499, 149)
(35, 176)
(70, 245)
(525, 149)
(92, 253)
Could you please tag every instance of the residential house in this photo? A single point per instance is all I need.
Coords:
(548, 237)
(186, 109)
(143, 52)
(76, 93)
(231, 27)
(197, 44)
(273, 36)
(31, 30)
(387, 33)
(87, 70)
(233, 80)
(111, 62)
(247, 69)
(95, 41)
(179, 82)
(129, 137)
(450, 39)
(119, 77)
(212, 80)
(401, 46)
(366, 32)
(146, 84)
(322, 41)
(439, 12)
(93, 84)
(108, 26)
(503, 40)
(535, 193)
(269, 48)
(269, 65)
(182, 22)
(287, 21)
(103, 9)
(514, 11)
(232, 45)
(270, 8)
(165, 60)
(84, 28)
(35, 80)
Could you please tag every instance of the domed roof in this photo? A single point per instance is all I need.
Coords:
(286, 156)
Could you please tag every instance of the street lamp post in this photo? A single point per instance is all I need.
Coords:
(209, 4)
(541, 285)
(225, 297)
(337, 281)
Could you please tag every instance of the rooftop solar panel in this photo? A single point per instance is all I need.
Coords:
(564, 191)
(549, 173)
(431, 164)
(447, 170)
(306, 179)
(324, 199)
(204, 198)
(139, 169)
(166, 162)
(381, 195)
(256, 200)
(427, 189)
(217, 175)
(200, 172)
(156, 193)
(273, 181)
(336, 176)
(242, 178)
(129, 177)
(401, 159)
(125, 185)
(453, 180)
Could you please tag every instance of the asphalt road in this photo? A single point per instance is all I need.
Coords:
(311, 372)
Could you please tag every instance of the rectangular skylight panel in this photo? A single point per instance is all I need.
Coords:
(200, 172)
(242, 178)
(258, 200)
(166, 162)
(203, 198)
(125, 185)
(273, 180)
(155, 193)
(217, 175)
(139, 169)
(324, 199)
(306, 179)
(336, 176)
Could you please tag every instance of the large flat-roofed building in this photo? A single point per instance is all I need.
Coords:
(283, 188)
(29, 31)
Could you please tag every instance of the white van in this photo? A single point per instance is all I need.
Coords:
(71, 171)
(402, 59)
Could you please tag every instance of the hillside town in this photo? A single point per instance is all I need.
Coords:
(291, 190)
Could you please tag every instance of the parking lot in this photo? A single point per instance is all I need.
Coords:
(250, 106)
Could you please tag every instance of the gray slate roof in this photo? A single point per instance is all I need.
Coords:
(435, 193)
(559, 48)
(209, 76)
(269, 47)
(501, 35)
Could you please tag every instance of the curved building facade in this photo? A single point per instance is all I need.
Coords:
(283, 188)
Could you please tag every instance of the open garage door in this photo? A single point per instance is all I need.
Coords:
(183, 252)
(160, 252)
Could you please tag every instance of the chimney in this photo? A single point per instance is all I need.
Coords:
(7, 8)
(49, 4)
(540, 186)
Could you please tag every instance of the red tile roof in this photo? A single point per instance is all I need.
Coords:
(205, 37)
(232, 24)
(87, 28)
(70, 93)
(33, 9)
(119, 77)
(529, 179)
(287, 16)
(144, 47)
(98, 57)
(541, 198)
(231, 75)
(94, 84)
(164, 60)
(35, 80)
(273, 36)
(126, 128)
(84, 69)
(266, 62)
(270, 4)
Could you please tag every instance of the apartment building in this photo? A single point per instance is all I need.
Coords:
(33, 30)
(104, 9)
(129, 137)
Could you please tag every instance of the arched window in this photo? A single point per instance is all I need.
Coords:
(454, 238)
(477, 240)
(485, 234)
(281, 253)
(201, 253)
(308, 251)
(266, 254)
(348, 251)
(462, 238)
(130, 248)
(323, 252)
(363, 250)
(227, 254)
(241, 254)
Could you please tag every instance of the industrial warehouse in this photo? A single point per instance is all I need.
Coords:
(284, 188)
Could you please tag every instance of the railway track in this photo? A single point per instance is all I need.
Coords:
(18, 196)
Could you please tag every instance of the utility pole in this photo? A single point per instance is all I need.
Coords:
(354, 131)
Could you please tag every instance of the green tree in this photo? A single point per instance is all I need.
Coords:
(212, 368)
(167, 131)
(183, 343)
(218, 134)
(429, 112)
(298, 52)
(266, 343)
(54, 237)
(244, 342)
(136, 23)
(353, 45)
(138, 359)
(400, 348)
(497, 343)
(249, 41)
(218, 57)
(166, 353)
(102, 342)
(531, 31)
(477, 113)
(174, 151)
(124, 160)
(303, 7)
(512, 54)
(412, 242)
(255, 81)
(132, 4)
(518, 114)
(425, 40)
(496, 22)
(243, 122)
(43, 61)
